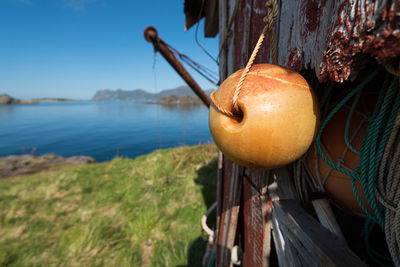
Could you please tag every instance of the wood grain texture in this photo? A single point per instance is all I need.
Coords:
(232, 190)
(316, 245)
(228, 212)
(255, 213)
(256, 227)
(212, 17)
(327, 36)
(326, 217)
(286, 253)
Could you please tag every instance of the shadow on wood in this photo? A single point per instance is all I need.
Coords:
(316, 245)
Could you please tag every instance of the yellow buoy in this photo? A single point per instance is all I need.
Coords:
(278, 117)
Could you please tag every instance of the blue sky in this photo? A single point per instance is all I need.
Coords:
(72, 48)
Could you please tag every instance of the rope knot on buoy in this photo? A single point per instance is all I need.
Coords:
(272, 14)
(269, 20)
(264, 116)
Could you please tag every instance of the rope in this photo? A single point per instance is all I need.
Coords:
(379, 166)
(268, 28)
(346, 131)
(209, 250)
(211, 261)
(392, 70)
(221, 108)
(389, 194)
(196, 31)
(207, 73)
(328, 118)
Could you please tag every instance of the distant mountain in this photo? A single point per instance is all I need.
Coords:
(141, 95)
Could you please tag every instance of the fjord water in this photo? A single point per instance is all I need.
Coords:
(100, 129)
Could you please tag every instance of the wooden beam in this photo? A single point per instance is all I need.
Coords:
(283, 186)
(287, 255)
(267, 211)
(326, 217)
(232, 191)
(316, 245)
(327, 36)
(151, 35)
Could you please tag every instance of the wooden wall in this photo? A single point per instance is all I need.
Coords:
(329, 37)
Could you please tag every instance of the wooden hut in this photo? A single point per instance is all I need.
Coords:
(275, 217)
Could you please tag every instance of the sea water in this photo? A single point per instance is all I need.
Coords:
(102, 130)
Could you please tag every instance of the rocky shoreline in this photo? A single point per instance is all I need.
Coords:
(27, 164)
(168, 100)
(172, 100)
(7, 100)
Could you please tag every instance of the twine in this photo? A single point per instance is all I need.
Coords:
(377, 170)
(220, 108)
(268, 28)
(393, 71)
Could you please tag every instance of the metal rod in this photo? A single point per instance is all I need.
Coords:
(151, 35)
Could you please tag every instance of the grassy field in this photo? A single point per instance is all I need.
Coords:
(141, 212)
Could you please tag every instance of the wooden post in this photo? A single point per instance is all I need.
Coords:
(151, 35)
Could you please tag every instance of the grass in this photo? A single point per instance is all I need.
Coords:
(141, 212)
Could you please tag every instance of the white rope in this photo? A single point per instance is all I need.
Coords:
(204, 220)
(210, 233)
(389, 190)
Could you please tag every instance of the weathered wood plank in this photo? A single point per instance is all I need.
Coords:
(287, 256)
(328, 35)
(256, 228)
(230, 182)
(326, 217)
(257, 25)
(255, 218)
(316, 245)
(230, 43)
(267, 241)
(282, 186)
(229, 218)
(219, 193)
(324, 35)
(242, 34)
(302, 28)
(211, 11)
(222, 13)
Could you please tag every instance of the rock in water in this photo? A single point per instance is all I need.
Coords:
(6, 99)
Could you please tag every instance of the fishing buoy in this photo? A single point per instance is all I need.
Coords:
(338, 185)
(277, 119)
